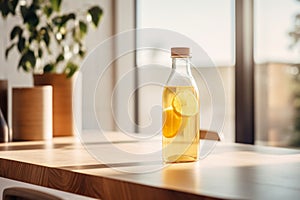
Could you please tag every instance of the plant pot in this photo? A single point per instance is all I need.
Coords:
(32, 113)
(63, 92)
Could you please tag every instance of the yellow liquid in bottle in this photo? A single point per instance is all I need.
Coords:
(180, 124)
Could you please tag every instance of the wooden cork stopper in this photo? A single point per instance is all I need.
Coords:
(180, 52)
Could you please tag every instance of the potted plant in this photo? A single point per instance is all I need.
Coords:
(51, 46)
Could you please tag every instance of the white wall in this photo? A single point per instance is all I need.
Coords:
(125, 16)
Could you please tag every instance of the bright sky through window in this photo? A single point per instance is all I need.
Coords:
(274, 19)
(211, 24)
(207, 22)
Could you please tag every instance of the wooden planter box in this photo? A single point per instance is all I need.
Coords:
(32, 113)
(63, 115)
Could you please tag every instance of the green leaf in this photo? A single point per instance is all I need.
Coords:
(68, 17)
(71, 16)
(36, 3)
(76, 34)
(21, 44)
(16, 31)
(57, 20)
(33, 35)
(30, 15)
(83, 28)
(45, 35)
(12, 4)
(27, 61)
(8, 50)
(81, 53)
(56, 5)
(47, 39)
(40, 52)
(33, 20)
(42, 31)
(4, 8)
(30, 58)
(49, 27)
(96, 13)
(70, 69)
(24, 12)
(62, 20)
(49, 68)
(59, 58)
(48, 11)
(49, 51)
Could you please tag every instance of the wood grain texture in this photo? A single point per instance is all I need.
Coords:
(209, 135)
(233, 171)
(63, 122)
(32, 113)
(88, 185)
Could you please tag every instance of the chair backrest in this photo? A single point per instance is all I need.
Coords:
(19, 193)
(209, 135)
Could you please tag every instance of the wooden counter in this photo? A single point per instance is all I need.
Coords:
(232, 171)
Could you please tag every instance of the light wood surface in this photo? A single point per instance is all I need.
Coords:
(63, 122)
(232, 171)
(209, 135)
(32, 113)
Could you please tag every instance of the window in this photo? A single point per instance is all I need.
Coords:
(276, 73)
(211, 25)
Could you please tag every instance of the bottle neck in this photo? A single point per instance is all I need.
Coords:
(182, 66)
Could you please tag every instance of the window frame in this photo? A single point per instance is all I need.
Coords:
(244, 72)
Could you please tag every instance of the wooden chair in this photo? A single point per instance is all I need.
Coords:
(19, 193)
(209, 135)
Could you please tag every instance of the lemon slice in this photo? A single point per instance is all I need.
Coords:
(172, 123)
(185, 103)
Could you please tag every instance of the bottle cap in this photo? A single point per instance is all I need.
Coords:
(180, 52)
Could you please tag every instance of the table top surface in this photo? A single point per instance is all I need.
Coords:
(97, 166)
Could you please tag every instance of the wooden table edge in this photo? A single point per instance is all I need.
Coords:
(88, 185)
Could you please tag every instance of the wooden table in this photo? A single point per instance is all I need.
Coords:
(232, 171)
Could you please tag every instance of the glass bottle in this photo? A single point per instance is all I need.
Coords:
(181, 111)
(4, 134)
